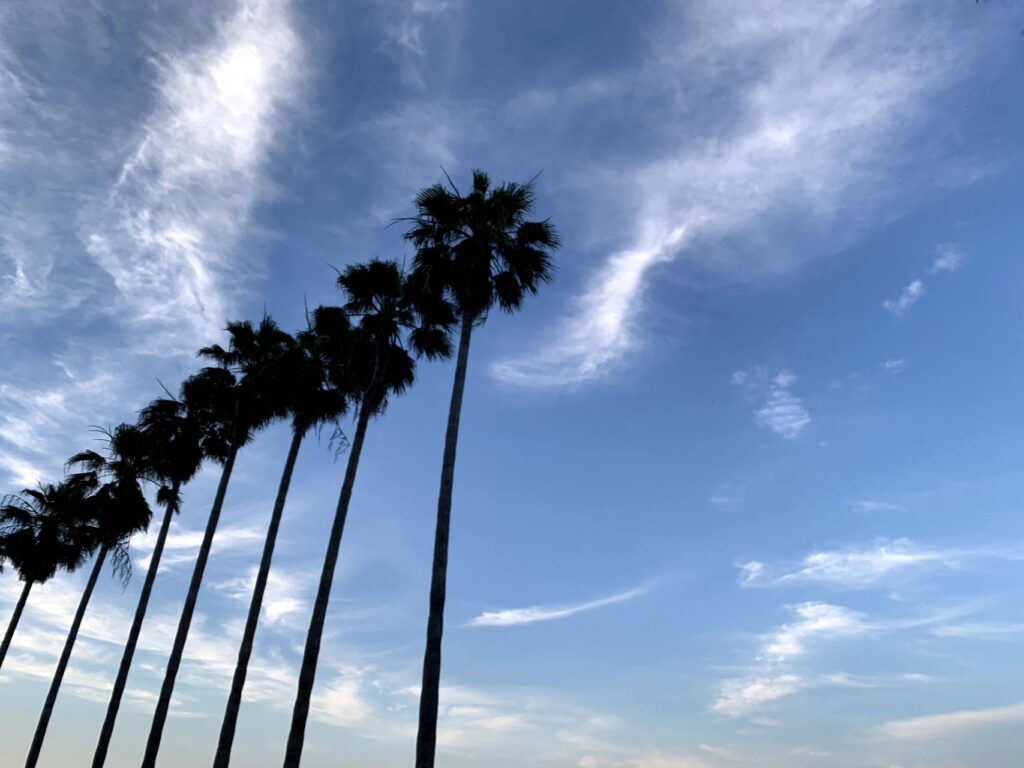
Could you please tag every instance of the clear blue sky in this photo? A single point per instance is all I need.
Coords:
(743, 486)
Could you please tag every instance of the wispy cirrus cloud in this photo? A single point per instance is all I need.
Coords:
(774, 675)
(949, 259)
(816, 95)
(167, 231)
(511, 617)
(910, 295)
(776, 406)
(930, 728)
(862, 567)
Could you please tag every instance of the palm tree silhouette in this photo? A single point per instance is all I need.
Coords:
(372, 364)
(115, 508)
(174, 453)
(40, 535)
(232, 401)
(477, 250)
(301, 381)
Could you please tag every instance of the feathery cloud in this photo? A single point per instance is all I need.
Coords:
(777, 408)
(866, 566)
(951, 724)
(912, 294)
(817, 94)
(168, 230)
(511, 617)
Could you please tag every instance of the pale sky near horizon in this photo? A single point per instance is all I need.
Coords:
(743, 486)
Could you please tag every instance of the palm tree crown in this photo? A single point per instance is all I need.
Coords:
(44, 530)
(480, 249)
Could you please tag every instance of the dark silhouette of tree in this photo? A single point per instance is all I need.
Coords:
(477, 250)
(374, 361)
(115, 509)
(40, 535)
(234, 401)
(174, 453)
(301, 381)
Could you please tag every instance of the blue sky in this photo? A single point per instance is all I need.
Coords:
(741, 487)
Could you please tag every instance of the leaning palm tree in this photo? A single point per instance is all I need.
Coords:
(232, 398)
(301, 381)
(477, 250)
(40, 535)
(115, 510)
(373, 362)
(174, 453)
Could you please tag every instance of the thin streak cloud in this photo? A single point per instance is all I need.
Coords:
(511, 617)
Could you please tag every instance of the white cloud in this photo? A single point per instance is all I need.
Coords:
(168, 230)
(739, 698)
(912, 294)
(935, 727)
(835, 88)
(510, 617)
(866, 566)
(816, 620)
(776, 407)
(287, 593)
(182, 545)
(871, 506)
(980, 630)
(893, 367)
(949, 259)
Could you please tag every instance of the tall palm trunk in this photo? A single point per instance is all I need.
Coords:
(163, 704)
(307, 673)
(15, 618)
(62, 663)
(426, 737)
(227, 729)
(107, 731)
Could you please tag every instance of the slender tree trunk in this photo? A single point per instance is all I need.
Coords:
(15, 618)
(62, 664)
(163, 704)
(107, 731)
(307, 673)
(426, 737)
(227, 729)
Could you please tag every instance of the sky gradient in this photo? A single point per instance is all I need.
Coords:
(742, 487)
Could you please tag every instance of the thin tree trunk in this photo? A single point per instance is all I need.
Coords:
(15, 618)
(307, 673)
(107, 731)
(62, 664)
(227, 729)
(426, 737)
(163, 704)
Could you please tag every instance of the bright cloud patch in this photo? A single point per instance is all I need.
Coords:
(167, 231)
(511, 617)
(776, 407)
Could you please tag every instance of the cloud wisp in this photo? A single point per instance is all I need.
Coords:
(865, 567)
(949, 259)
(777, 408)
(836, 86)
(774, 677)
(511, 617)
(168, 230)
(949, 725)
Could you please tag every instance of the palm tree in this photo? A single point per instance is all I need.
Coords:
(301, 379)
(476, 250)
(174, 446)
(39, 535)
(232, 400)
(115, 509)
(372, 363)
